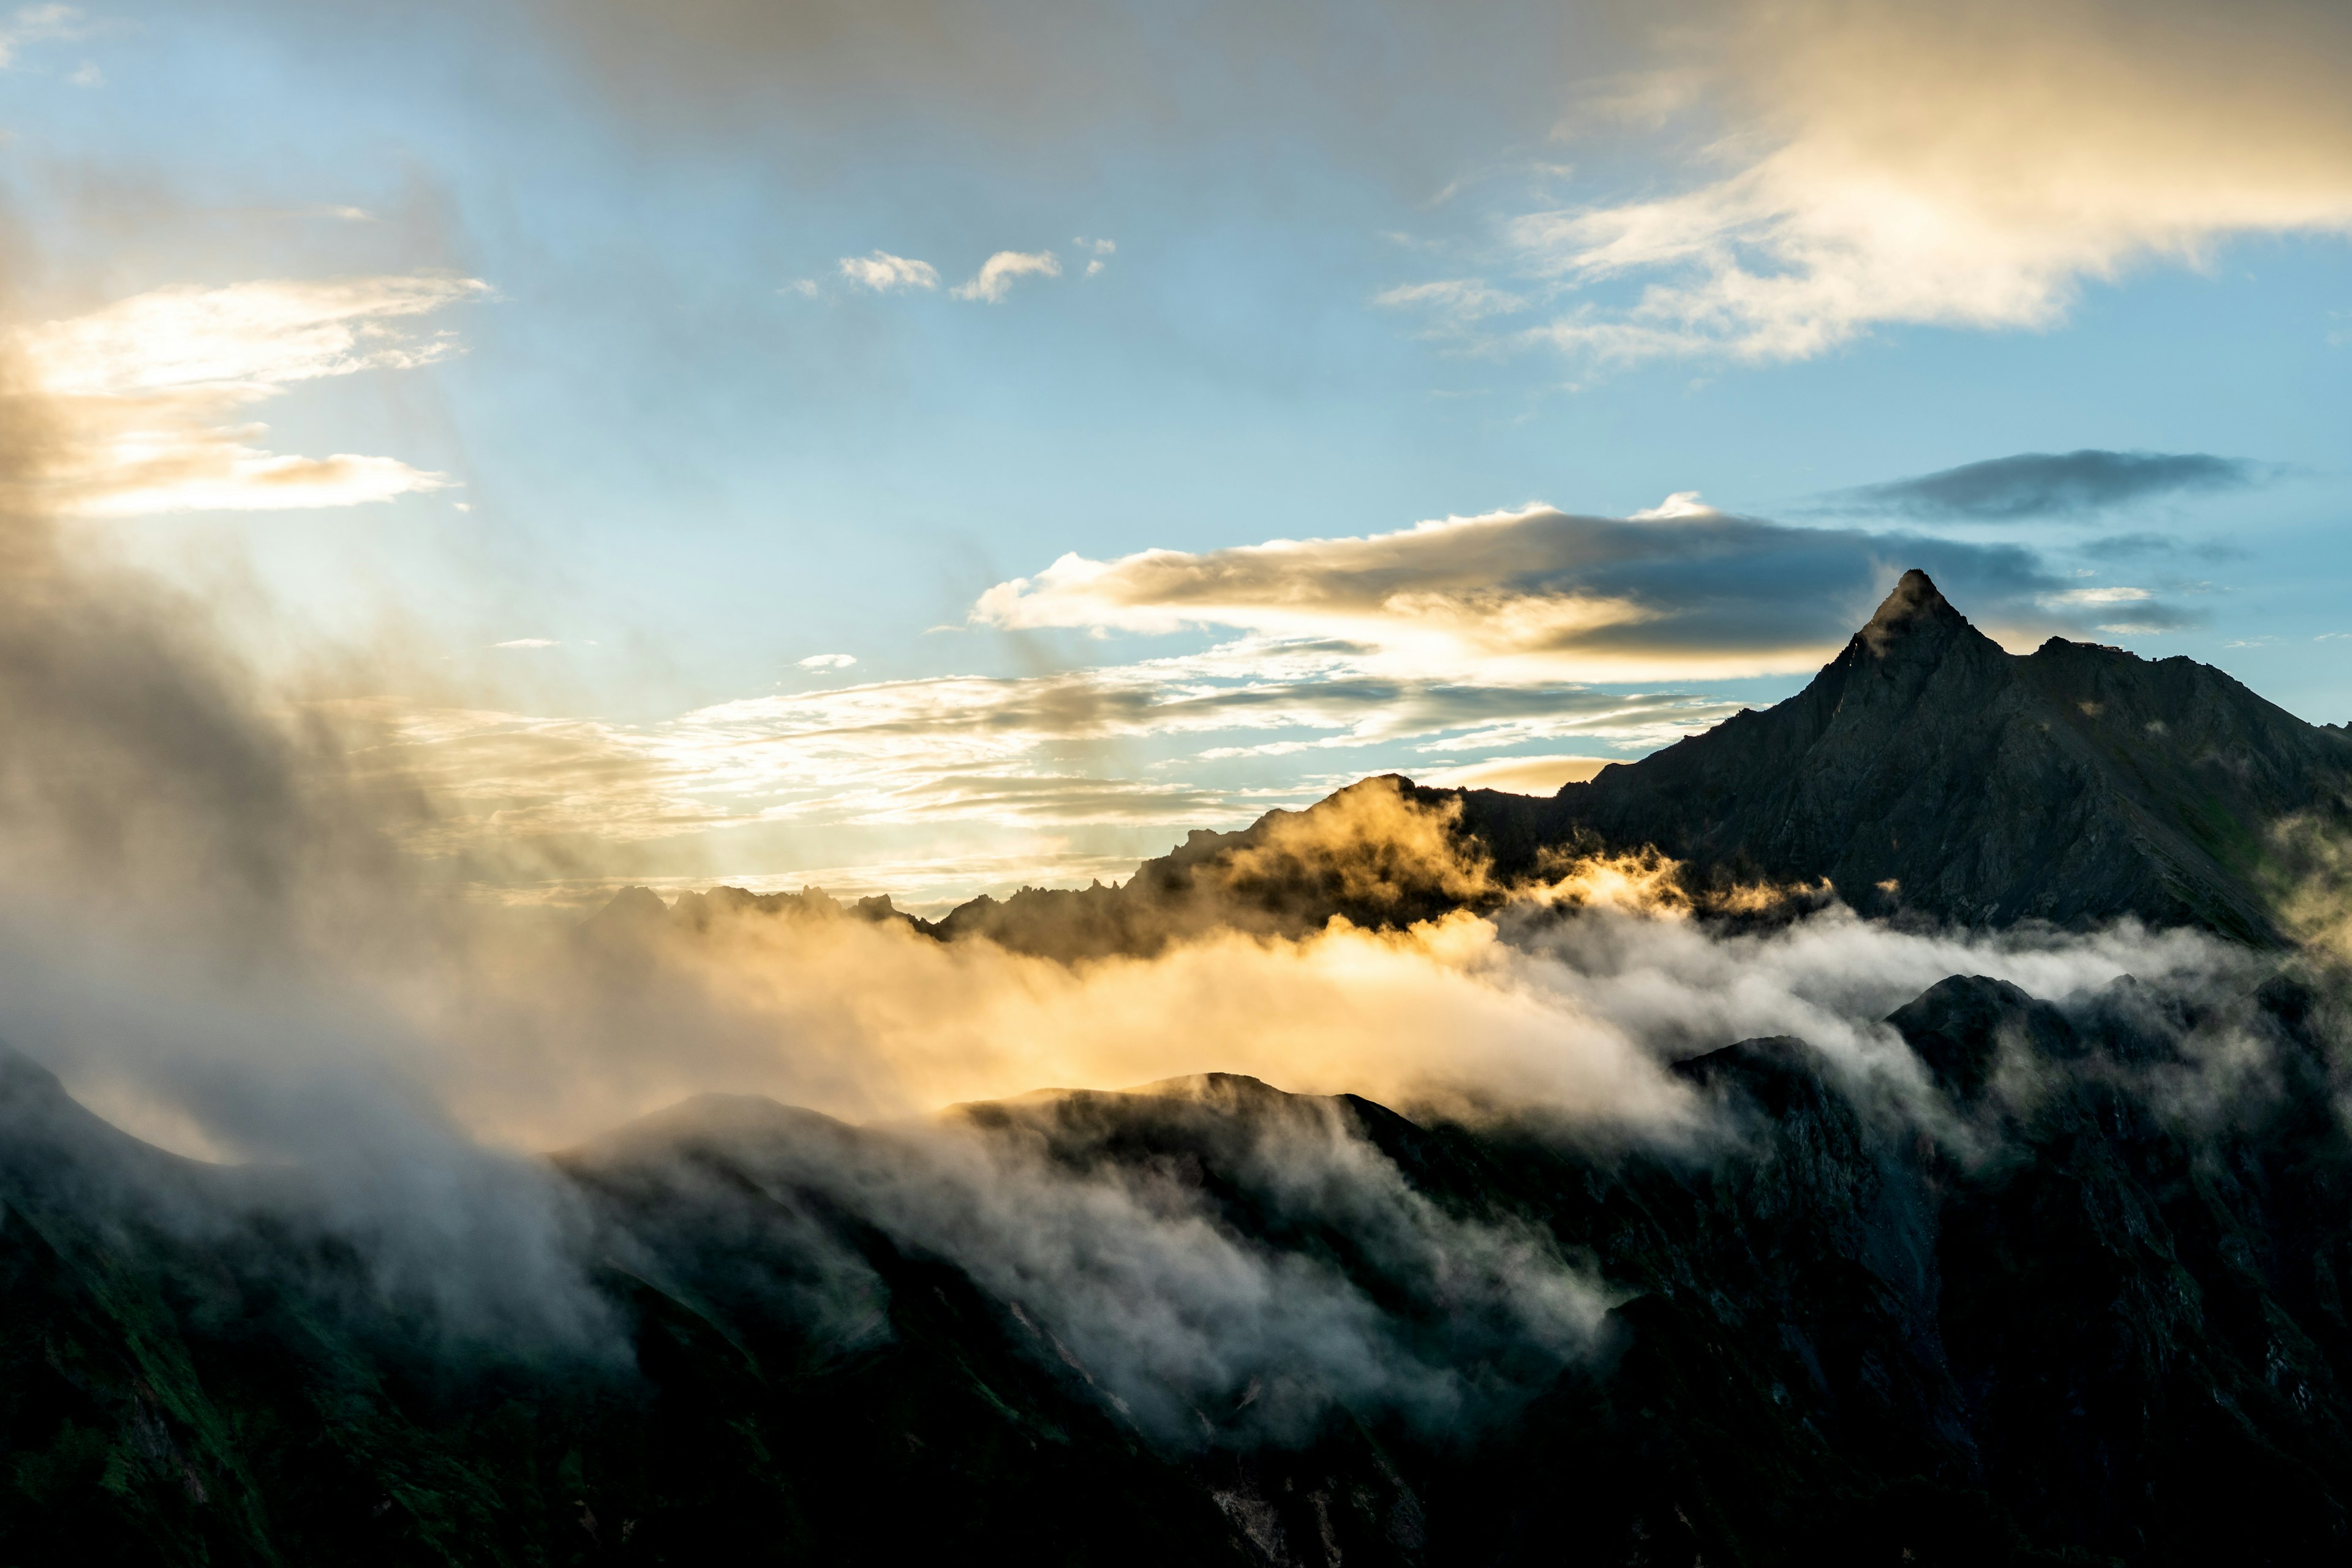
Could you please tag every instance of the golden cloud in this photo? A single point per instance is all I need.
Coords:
(145, 396)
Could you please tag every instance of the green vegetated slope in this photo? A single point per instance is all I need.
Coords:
(2118, 1333)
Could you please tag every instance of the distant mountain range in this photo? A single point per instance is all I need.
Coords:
(1924, 772)
(2089, 1300)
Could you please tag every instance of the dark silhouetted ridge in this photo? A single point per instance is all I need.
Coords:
(1926, 772)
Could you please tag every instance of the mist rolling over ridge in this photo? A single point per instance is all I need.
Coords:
(741, 785)
(1283, 1318)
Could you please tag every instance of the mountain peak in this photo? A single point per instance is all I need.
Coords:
(1914, 607)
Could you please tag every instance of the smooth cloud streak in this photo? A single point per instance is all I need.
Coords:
(2048, 484)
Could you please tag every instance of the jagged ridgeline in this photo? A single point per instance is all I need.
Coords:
(1924, 770)
(2033, 1279)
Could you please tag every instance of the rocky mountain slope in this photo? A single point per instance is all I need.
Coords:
(2092, 1318)
(1924, 770)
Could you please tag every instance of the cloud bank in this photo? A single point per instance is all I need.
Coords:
(1683, 592)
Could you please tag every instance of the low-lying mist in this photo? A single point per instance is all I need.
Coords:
(209, 930)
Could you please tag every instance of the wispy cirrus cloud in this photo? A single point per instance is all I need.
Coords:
(1007, 753)
(2049, 484)
(142, 394)
(1458, 301)
(39, 24)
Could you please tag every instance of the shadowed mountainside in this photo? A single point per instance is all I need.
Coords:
(2116, 1333)
(1923, 771)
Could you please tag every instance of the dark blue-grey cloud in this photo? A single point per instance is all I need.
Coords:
(2144, 546)
(1546, 592)
(2033, 485)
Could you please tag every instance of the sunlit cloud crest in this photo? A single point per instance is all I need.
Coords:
(144, 391)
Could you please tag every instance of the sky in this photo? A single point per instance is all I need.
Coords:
(932, 448)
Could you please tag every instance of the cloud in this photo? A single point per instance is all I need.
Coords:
(528, 642)
(248, 338)
(994, 279)
(2145, 615)
(1102, 249)
(2047, 484)
(882, 272)
(1519, 776)
(141, 392)
(2102, 596)
(39, 24)
(1017, 752)
(1887, 162)
(1142, 1284)
(828, 661)
(1678, 592)
(1461, 301)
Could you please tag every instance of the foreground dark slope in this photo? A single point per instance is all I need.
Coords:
(1924, 770)
(2119, 1334)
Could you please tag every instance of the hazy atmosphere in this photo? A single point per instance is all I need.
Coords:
(927, 450)
(1388, 782)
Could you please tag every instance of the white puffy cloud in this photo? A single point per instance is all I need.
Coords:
(883, 273)
(828, 661)
(994, 279)
(145, 395)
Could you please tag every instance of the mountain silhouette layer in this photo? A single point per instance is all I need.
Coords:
(2060, 1279)
(1924, 772)
(2116, 1334)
